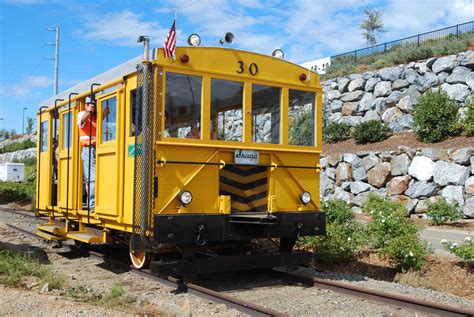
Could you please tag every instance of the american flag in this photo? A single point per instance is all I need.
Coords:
(169, 46)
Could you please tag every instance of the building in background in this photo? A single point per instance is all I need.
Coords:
(319, 65)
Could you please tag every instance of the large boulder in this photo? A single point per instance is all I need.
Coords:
(352, 159)
(421, 168)
(327, 186)
(468, 60)
(418, 189)
(379, 175)
(449, 173)
(343, 84)
(383, 89)
(405, 122)
(406, 202)
(358, 187)
(343, 172)
(370, 84)
(469, 186)
(371, 115)
(352, 96)
(458, 76)
(366, 103)
(462, 156)
(336, 106)
(351, 120)
(399, 84)
(458, 92)
(411, 76)
(391, 114)
(357, 84)
(434, 153)
(333, 94)
(428, 80)
(469, 207)
(370, 161)
(398, 185)
(349, 108)
(442, 64)
(390, 73)
(453, 194)
(400, 164)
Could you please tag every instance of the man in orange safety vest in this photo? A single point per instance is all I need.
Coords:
(87, 121)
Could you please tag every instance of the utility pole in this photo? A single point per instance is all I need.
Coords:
(56, 58)
(23, 125)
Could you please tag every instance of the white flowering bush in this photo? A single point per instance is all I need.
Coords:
(344, 235)
(464, 251)
(391, 234)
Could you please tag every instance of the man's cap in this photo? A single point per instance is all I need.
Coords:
(89, 100)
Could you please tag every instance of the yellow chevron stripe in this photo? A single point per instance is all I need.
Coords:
(243, 193)
(249, 206)
(243, 179)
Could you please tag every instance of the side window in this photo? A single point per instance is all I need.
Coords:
(266, 114)
(44, 136)
(67, 121)
(301, 117)
(135, 119)
(109, 120)
(183, 106)
(226, 110)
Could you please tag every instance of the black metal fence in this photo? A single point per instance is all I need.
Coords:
(453, 32)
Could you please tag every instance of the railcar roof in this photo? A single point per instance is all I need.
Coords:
(114, 73)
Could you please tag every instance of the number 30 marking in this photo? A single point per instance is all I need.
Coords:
(253, 68)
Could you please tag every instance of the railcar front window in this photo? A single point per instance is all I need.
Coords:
(67, 119)
(226, 110)
(266, 114)
(44, 136)
(301, 117)
(183, 106)
(109, 120)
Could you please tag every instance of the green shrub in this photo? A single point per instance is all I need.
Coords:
(391, 234)
(16, 192)
(465, 250)
(370, 131)
(16, 146)
(435, 117)
(335, 132)
(443, 211)
(469, 120)
(301, 131)
(395, 55)
(343, 235)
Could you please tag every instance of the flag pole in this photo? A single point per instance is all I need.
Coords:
(175, 32)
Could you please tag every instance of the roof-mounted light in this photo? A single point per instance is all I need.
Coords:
(228, 38)
(278, 53)
(194, 40)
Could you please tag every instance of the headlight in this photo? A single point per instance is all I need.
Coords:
(185, 197)
(305, 198)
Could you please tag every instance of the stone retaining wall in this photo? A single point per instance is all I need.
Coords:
(389, 94)
(410, 176)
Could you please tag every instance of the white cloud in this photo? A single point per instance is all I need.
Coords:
(27, 86)
(122, 28)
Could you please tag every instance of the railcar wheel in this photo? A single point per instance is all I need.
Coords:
(140, 259)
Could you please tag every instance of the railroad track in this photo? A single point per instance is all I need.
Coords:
(393, 300)
(202, 292)
(25, 213)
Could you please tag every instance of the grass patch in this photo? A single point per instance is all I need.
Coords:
(18, 192)
(115, 297)
(17, 146)
(396, 55)
(15, 267)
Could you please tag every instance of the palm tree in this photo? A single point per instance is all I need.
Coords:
(372, 25)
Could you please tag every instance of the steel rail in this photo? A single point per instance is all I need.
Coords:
(201, 292)
(391, 299)
(21, 213)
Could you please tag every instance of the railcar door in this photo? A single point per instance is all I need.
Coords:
(66, 168)
(44, 163)
(107, 163)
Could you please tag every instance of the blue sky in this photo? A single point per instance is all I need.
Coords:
(97, 35)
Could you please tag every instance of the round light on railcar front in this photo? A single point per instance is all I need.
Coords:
(194, 40)
(305, 198)
(185, 197)
(278, 53)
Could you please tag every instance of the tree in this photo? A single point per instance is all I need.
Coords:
(29, 125)
(372, 25)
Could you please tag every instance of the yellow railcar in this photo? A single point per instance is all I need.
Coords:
(209, 151)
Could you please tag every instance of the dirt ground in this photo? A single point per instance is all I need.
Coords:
(444, 274)
(393, 142)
